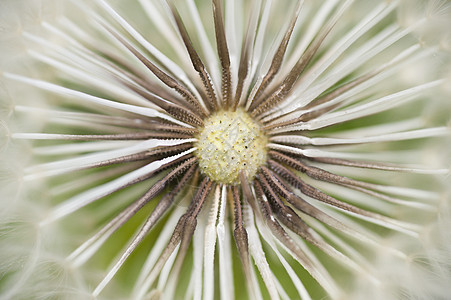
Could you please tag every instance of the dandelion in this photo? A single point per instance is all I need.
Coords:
(224, 150)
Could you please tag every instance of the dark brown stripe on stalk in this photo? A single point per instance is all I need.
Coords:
(310, 191)
(291, 220)
(190, 224)
(358, 164)
(136, 122)
(301, 204)
(164, 78)
(237, 206)
(200, 197)
(131, 72)
(177, 111)
(196, 60)
(246, 49)
(305, 188)
(288, 83)
(167, 200)
(274, 229)
(101, 52)
(171, 164)
(323, 99)
(122, 136)
(146, 176)
(276, 61)
(243, 70)
(239, 232)
(223, 52)
(314, 193)
(320, 174)
(162, 205)
(292, 198)
(133, 208)
(174, 128)
(159, 210)
(176, 237)
(174, 162)
(139, 156)
(281, 234)
(121, 160)
(139, 83)
(284, 213)
(145, 155)
(183, 114)
(310, 210)
(169, 150)
(167, 135)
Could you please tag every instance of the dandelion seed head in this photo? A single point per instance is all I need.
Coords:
(148, 145)
(229, 143)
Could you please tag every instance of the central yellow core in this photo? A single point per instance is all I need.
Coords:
(230, 142)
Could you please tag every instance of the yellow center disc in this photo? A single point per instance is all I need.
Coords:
(230, 142)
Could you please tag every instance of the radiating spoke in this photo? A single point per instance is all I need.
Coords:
(223, 52)
(196, 60)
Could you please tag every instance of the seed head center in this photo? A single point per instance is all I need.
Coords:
(228, 143)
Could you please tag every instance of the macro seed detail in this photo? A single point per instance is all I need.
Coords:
(230, 142)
